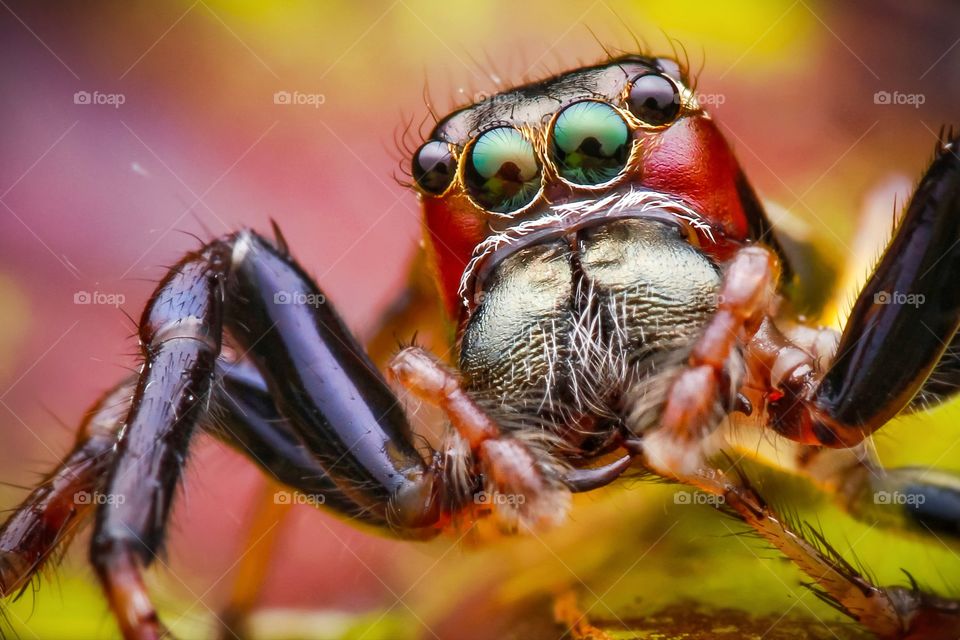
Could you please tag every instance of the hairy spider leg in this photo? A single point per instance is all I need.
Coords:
(902, 325)
(317, 376)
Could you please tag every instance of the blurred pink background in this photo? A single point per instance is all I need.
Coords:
(97, 198)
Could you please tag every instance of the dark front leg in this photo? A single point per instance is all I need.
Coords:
(246, 419)
(900, 326)
(180, 335)
(319, 380)
(243, 417)
(333, 396)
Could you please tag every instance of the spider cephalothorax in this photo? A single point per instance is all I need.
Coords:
(617, 291)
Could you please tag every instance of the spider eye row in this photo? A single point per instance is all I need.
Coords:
(588, 143)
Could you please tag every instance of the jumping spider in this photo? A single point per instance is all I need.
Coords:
(619, 297)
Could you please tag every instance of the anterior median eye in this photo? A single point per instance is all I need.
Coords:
(433, 167)
(502, 172)
(590, 143)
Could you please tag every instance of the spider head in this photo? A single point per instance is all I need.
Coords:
(574, 150)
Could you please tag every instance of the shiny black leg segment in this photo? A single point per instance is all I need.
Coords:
(246, 419)
(900, 326)
(332, 395)
(943, 383)
(180, 335)
(243, 416)
(320, 381)
(911, 499)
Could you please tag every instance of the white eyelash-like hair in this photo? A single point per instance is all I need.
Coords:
(610, 205)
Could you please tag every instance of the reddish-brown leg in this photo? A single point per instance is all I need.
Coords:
(522, 485)
(56, 509)
(695, 402)
(893, 613)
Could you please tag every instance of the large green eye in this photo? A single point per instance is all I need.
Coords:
(590, 143)
(502, 172)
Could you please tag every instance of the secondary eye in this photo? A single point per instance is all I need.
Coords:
(590, 143)
(433, 167)
(654, 99)
(502, 172)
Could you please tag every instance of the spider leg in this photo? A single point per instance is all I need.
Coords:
(53, 512)
(900, 328)
(943, 383)
(331, 394)
(318, 377)
(243, 417)
(180, 334)
(49, 516)
(703, 392)
(260, 538)
(522, 482)
(912, 500)
(678, 449)
(892, 613)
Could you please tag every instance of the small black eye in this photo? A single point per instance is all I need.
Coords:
(434, 167)
(502, 172)
(654, 99)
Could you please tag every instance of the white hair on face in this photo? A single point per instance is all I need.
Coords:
(569, 214)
